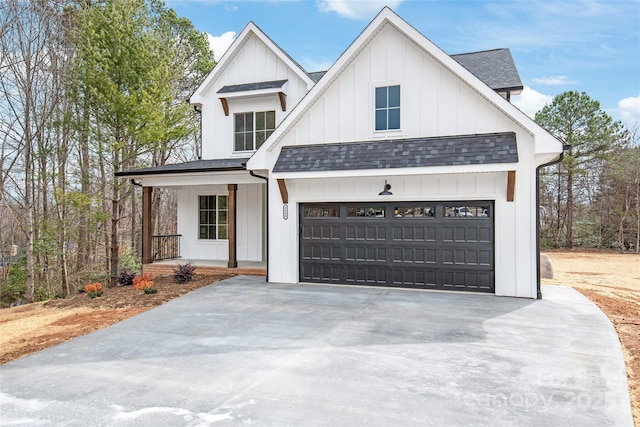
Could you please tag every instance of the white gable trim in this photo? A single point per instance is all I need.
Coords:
(249, 30)
(545, 142)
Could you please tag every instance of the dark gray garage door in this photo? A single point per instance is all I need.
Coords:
(431, 245)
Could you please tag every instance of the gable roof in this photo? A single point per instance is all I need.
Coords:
(494, 67)
(249, 30)
(275, 84)
(400, 153)
(546, 143)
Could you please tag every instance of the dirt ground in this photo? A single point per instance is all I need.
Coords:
(611, 280)
(32, 327)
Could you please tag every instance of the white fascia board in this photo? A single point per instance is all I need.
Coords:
(249, 30)
(260, 158)
(202, 178)
(431, 170)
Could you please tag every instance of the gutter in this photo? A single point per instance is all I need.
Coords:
(565, 147)
(179, 171)
(267, 213)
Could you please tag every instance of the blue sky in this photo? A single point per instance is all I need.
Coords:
(590, 46)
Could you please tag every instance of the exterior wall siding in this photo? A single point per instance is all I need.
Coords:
(255, 62)
(434, 101)
(515, 247)
(249, 224)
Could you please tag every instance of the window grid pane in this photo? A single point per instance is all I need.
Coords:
(213, 217)
(387, 110)
(252, 129)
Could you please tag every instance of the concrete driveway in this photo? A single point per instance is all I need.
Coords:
(246, 352)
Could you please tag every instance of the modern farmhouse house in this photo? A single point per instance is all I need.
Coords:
(399, 166)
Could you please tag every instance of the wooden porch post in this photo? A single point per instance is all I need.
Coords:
(147, 231)
(233, 262)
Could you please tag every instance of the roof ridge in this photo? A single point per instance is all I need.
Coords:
(479, 51)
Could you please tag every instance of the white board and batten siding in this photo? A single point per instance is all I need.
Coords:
(250, 227)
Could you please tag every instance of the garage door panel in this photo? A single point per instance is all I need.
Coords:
(366, 275)
(485, 234)
(441, 245)
(415, 277)
(366, 254)
(413, 233)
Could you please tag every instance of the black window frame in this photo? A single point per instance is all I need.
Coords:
(251, 129)
(213, 218)
(387, 107)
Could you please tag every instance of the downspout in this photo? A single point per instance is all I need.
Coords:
(267, 233)
(544, 165)
(199, 148)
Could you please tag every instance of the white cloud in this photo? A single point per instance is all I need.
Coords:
(355, 9)
(531, 101)
(220, 44)
(629, 109)
(555, 80)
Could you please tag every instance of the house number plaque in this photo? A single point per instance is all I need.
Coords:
(285, 212)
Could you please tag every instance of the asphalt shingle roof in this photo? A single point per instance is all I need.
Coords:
(275, 84)
(400, 153)
(216, 165)
(494, 67)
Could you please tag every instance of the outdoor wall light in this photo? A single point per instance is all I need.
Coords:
(386, 191)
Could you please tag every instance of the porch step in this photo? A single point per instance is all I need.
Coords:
(167, 270)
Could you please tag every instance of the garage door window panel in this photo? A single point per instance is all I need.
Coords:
(321, 212)
(365, 212)
(472, 211)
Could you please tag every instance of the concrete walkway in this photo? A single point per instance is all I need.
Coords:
(246, 352)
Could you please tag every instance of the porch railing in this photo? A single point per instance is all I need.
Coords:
(166, 247)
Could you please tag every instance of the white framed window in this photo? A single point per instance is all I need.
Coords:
(387, 111)
(213, 214)
(252, 129)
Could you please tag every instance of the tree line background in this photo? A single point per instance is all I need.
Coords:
(92, 87)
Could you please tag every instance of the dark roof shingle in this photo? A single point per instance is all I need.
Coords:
(244, 87)
(192, 166)
(494, 67)
(401, 153)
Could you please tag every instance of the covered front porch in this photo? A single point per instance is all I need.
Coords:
(220, 217)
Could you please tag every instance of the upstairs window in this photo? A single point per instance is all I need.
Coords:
(388, 108)
(252, 129)
(213, 213)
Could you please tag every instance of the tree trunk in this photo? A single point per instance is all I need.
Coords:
(84, 247)
(569, 239)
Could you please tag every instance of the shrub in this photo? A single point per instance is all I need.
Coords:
(15, 286)
(146, 277)
(93, 290)
(183, 273)
(125, 278)
(128, 260)
(145, 283)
